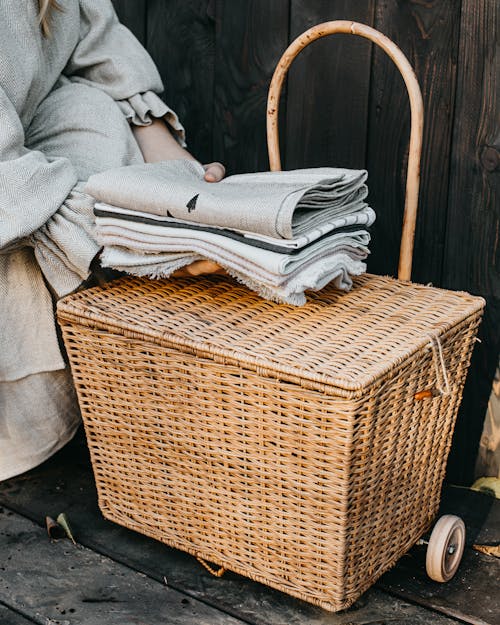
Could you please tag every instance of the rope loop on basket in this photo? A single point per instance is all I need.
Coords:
(440, 366)
(215, 572)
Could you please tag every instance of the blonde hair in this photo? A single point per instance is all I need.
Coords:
(45, 9)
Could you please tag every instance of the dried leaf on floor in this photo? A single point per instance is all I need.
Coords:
(54, 530)
(63, 522)
(490, 550)
(488, 485)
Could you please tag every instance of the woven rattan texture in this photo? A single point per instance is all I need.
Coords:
(314, 490)
(344, 339)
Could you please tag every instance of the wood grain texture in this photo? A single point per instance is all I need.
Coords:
(66, 483)
(328, 89)
(181, 40)
(471, 594)
(9, 617)
(427, 32)
(470, 419)
(472, 250)
(132, 14)
(251, 37)
(72, 585)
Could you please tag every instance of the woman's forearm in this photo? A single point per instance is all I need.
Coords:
(157, 143)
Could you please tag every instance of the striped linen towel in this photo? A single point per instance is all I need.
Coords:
(157, 251)
(348, 223)
(280, 233)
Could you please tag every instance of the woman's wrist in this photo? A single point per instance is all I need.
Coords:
(157, 143)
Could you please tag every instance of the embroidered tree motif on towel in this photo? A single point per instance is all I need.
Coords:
(191, 205)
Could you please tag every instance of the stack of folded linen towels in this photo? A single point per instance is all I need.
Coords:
(280, 233)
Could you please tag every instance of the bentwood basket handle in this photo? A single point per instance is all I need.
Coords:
(417, 118)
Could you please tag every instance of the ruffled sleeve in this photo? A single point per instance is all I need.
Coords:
(142, 107)
(109, 57)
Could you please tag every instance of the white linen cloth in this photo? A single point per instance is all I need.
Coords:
(157, 251)
(337, 268)
(66, 103)
(277, 204)
(150, 239)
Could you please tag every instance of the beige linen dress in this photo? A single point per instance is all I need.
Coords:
(66, 104)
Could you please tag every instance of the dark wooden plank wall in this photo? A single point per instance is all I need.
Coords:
(345, 104)
(427, 32)
(329, 88)
(250, 36)
(472, 251)
(181, 39)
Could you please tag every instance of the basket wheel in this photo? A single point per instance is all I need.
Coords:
(445, 548)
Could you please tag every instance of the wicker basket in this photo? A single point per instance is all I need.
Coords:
(304, 447)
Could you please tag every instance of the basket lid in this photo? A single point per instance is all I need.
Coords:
(346, 340)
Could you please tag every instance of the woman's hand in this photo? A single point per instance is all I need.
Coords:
(198, 268)
(214, 172)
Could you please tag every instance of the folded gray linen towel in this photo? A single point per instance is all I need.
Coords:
(283, 204)
(151, 239)
(348, 223)
(157, 251)
(337, 268)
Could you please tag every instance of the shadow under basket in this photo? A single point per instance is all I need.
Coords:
(303, 447)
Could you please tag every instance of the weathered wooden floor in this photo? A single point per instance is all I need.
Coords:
(117, 576)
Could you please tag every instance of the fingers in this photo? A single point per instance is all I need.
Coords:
(198, 268)
(202, 266)
(214, 172)
(179, 273)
